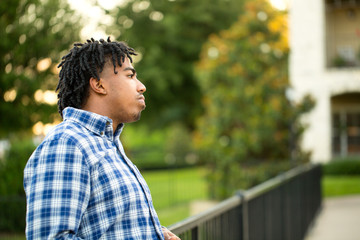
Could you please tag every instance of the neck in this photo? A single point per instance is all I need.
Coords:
(100, 109)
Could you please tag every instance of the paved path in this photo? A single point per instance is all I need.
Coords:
(339, 219)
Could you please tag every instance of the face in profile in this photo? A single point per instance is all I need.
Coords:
(124, 92)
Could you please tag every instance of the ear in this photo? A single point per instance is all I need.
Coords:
(97, 86)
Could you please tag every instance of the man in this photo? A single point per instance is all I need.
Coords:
(79, 183)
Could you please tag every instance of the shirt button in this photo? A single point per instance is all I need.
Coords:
(102, 133)
(107, 123)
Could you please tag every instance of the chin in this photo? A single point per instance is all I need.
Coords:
(137, 118)
(134, 118)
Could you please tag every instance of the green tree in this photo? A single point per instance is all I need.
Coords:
(243, 77)
(169, 36)
(33, 35)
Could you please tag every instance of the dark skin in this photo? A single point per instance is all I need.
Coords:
(118, 96)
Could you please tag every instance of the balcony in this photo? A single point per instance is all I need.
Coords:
(342, 33)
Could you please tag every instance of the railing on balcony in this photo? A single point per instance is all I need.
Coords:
(343, 50)
(279, 209)
(342, 3)
(342, 33)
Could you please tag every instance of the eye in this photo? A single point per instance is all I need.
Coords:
(130, 73)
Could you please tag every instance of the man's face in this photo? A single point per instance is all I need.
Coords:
(124, 92)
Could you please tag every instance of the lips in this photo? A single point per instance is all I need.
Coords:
(142, 99)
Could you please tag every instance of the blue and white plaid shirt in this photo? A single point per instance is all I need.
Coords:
(80, 185)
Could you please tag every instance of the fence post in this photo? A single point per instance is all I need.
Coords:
(195, 233)
(245, 215)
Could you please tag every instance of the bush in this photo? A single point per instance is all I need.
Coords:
(12, 195)
(247, 175)
(151, 149)
(348, 166)
(12, 214)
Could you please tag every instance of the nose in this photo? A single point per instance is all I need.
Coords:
(141, 87)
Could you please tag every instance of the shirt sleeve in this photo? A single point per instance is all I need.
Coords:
(57, 186)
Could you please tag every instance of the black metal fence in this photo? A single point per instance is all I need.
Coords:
(281, 208)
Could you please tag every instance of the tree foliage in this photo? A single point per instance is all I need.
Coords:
(243, 77)
(169, 36)
(33, 35)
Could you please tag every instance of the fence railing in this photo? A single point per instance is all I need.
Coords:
(281, 208)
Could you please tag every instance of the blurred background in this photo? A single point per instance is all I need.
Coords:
(238, 91)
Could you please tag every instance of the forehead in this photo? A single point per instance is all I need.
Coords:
(109, 64)
(109, 71)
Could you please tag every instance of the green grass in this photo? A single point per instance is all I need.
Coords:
(171, 215)
(173, 190)
(171, 187)
(340, 185)
(12, 237)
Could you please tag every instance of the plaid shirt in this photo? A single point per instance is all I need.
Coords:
(80, 185)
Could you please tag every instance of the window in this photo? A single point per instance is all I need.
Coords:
(342, 19)
(346, 133)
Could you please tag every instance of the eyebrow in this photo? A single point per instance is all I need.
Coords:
(131, 69)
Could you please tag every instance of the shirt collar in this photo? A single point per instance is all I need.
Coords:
(98, 124)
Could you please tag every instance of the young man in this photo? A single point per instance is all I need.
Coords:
(79, 183)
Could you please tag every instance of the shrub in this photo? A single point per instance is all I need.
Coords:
(165, 148)
(347, 166)
(12, 195)
(247, 175)
(12, 213)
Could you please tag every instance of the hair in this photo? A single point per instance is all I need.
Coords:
(86, 60)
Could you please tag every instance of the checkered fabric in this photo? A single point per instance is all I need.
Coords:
(79, 184)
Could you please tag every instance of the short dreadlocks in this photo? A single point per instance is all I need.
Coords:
(86, 60)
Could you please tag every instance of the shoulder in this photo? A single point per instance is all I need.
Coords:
(64, 139)
(63, 144)
(67, 132)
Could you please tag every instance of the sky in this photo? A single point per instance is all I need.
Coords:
(93, 15)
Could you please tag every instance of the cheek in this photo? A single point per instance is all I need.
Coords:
(126, 97)
(124, 93)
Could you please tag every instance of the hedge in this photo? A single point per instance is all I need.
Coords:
(342, 166)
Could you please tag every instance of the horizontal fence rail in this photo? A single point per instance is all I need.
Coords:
(281, 208)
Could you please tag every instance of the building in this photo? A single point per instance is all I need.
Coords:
(325, 62)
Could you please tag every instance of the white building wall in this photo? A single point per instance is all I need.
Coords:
(343, 81)
(307, 67)
(309, 75)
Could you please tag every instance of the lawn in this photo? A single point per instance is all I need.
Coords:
(171, 187)
(12, 237)
(173, 191)
(340, 185)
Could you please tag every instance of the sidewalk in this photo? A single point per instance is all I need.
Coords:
(339, 219)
